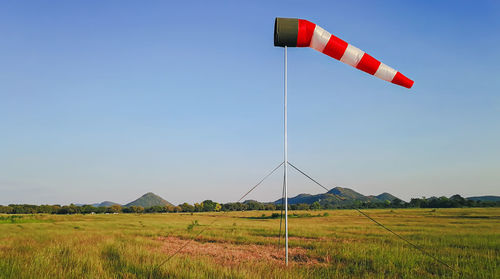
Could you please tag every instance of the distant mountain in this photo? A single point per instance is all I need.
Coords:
(148, 200)
(385, 197)
(249, 201)
(347, 193)
(102, 204)
(105, 204)
(485, 198)
(309, 199)
(338, 196)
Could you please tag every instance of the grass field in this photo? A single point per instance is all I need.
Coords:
(343, 244)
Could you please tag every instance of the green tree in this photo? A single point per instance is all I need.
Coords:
(87, 209)
(6, 209)
(254, 205)
(136, 209)
(115, 208)
(169, 208)
(397, 202)
(315, 205)
(209, 205)
(198, 207)
(218, 207)
(186, 207)
(270, 206)
(303, 206)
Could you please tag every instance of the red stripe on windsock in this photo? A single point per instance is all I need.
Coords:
(400, 79)
(368, 64)
(306, 30)
(335, 47)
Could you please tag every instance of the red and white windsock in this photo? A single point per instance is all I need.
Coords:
(293, 32)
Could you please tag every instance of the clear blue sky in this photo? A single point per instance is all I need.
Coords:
(107, 100)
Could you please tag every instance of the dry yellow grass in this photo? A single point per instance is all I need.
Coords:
(341, 245)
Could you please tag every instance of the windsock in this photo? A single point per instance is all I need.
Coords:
(293, 32)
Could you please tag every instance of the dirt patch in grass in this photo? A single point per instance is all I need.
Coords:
(233, 254)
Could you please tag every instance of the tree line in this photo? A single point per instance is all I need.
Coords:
(211, 206)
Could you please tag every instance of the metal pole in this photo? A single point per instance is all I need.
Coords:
(286, 164)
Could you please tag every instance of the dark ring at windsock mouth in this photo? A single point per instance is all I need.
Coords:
(286, 31)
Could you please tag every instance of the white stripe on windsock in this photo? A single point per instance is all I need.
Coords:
(320, 38)
(385, 72)
(352, 55)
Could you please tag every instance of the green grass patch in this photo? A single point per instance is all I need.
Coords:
(16, 219)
